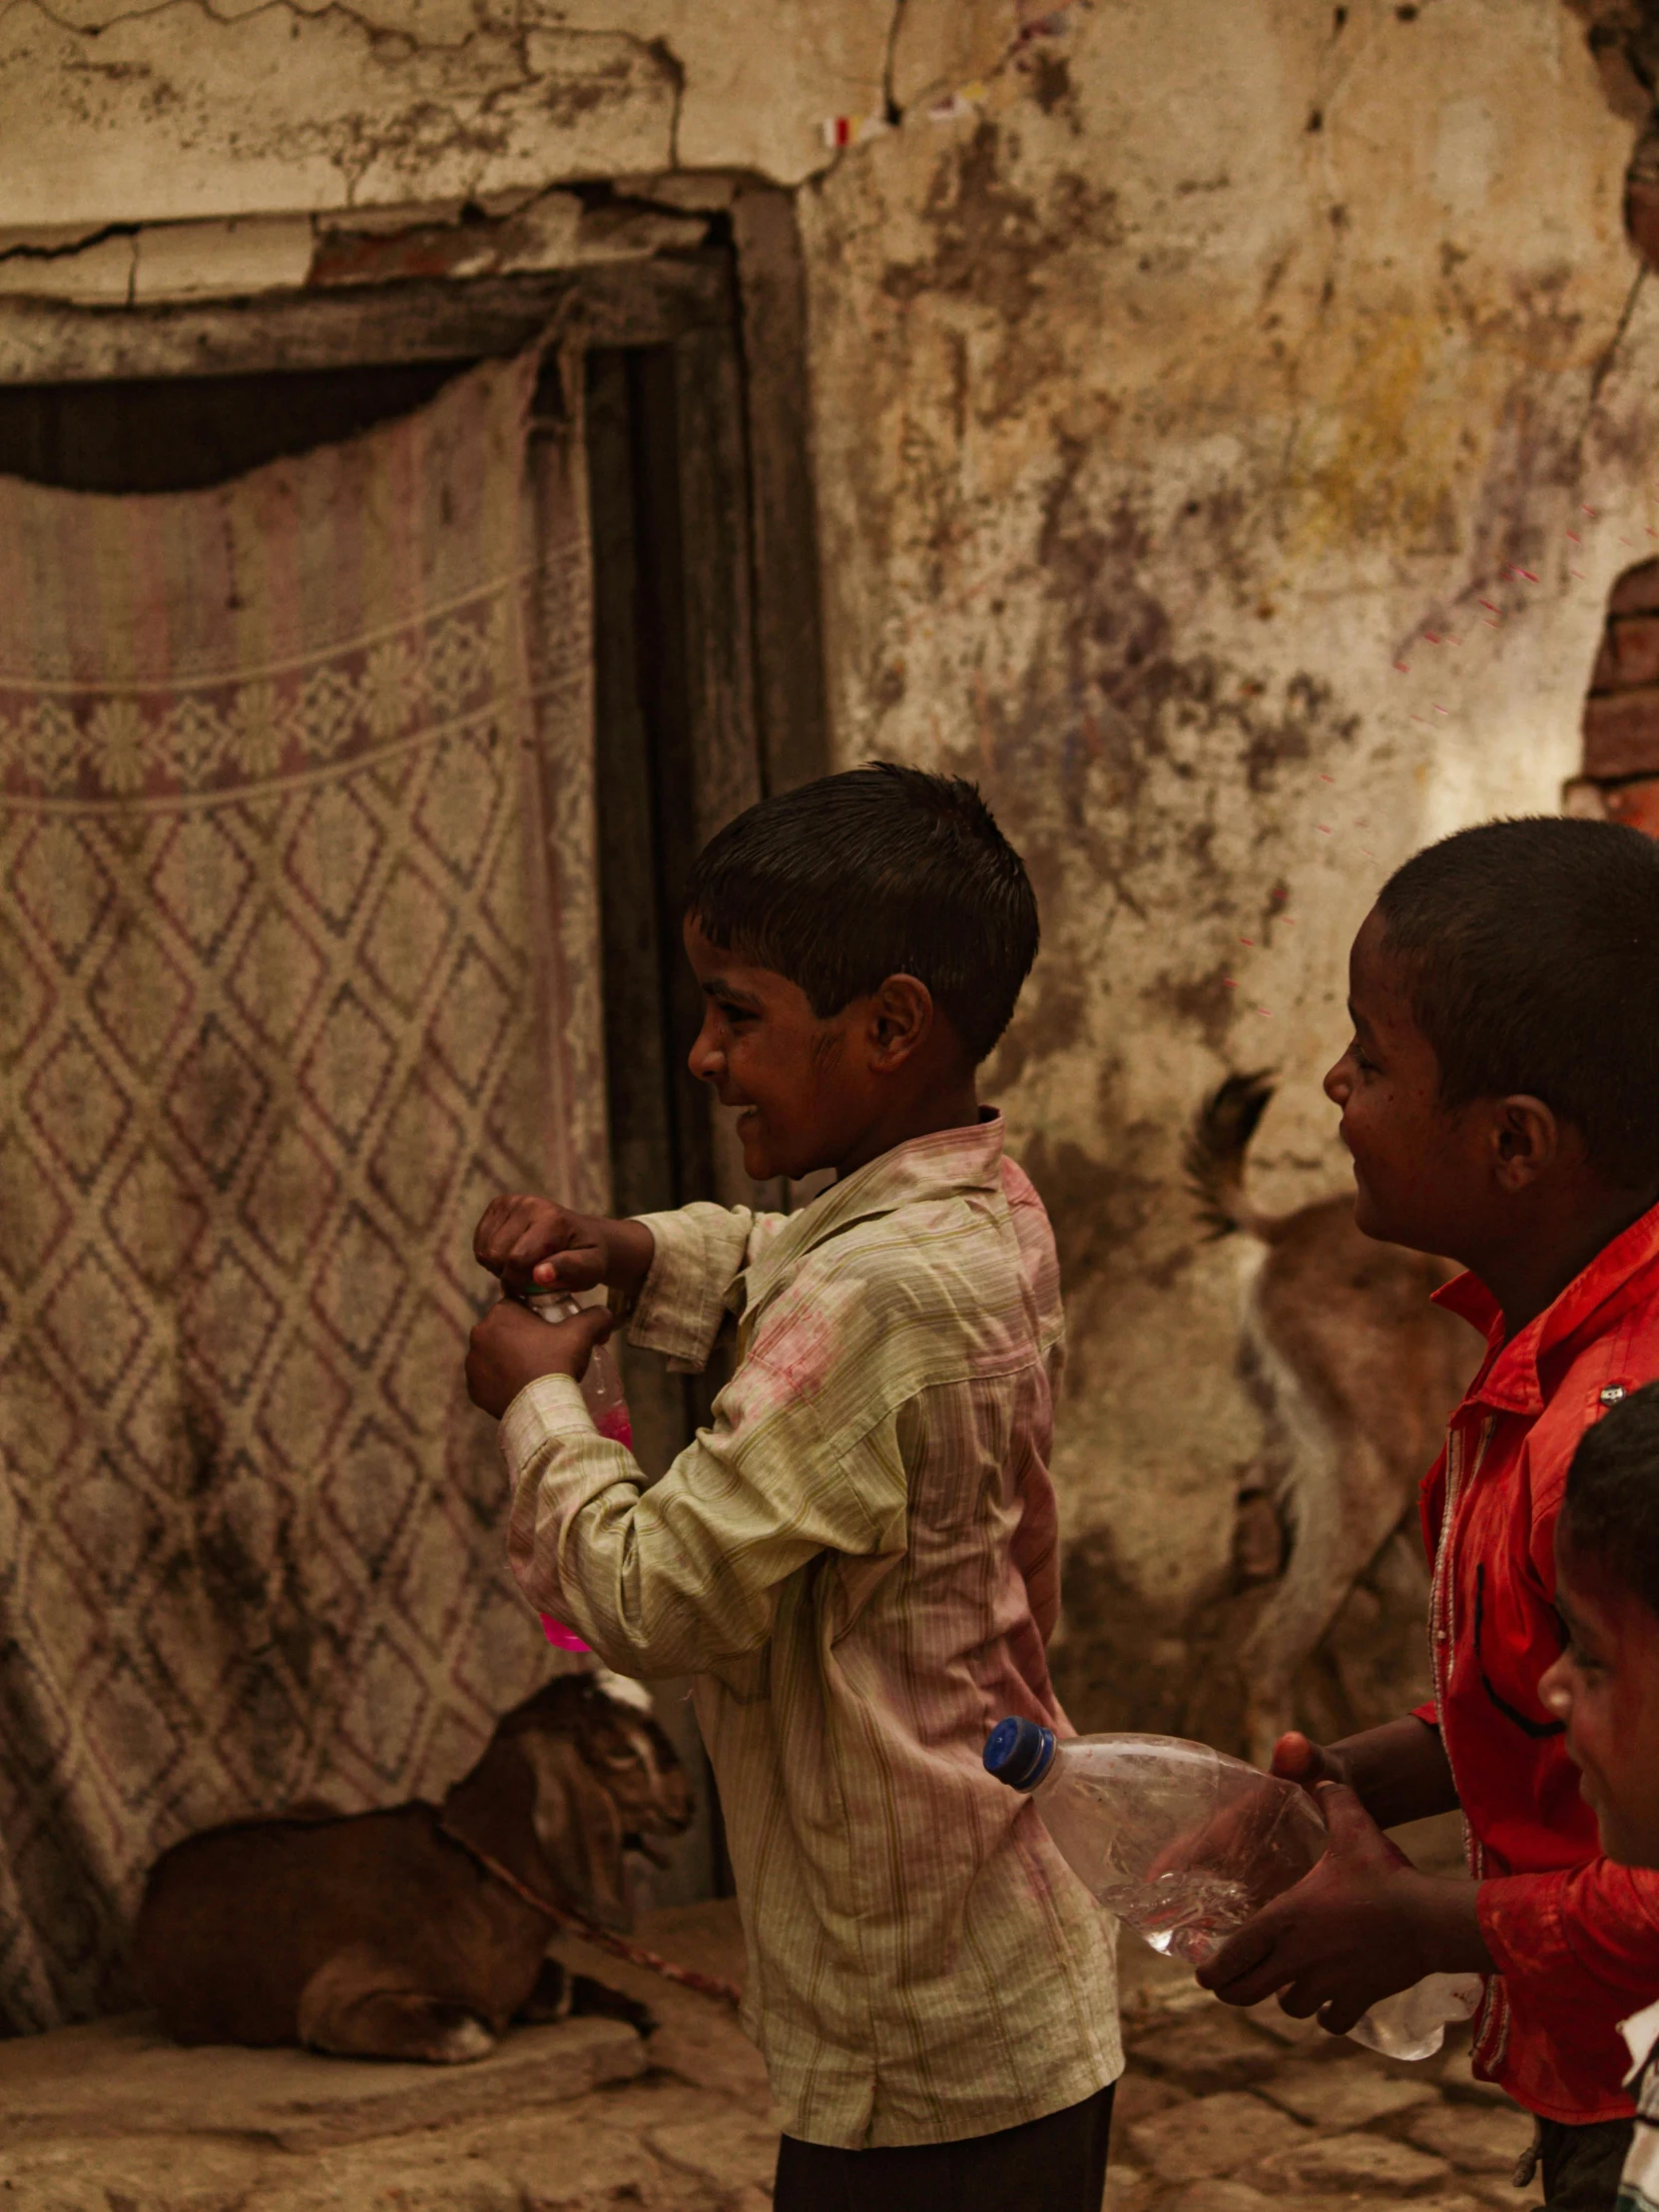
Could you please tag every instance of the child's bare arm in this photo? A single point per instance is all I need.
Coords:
(531, 1241)
(1399, 1772)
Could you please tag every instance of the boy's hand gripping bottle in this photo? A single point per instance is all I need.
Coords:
(1186, 1844)
(601, 1388)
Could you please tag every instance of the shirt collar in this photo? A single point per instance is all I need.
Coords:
(933, 1167)
(1510, 1379)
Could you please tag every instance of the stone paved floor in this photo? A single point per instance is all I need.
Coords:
(1218, 2112)
(1222, 2111)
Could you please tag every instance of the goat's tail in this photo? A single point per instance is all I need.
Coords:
(1214, 1155)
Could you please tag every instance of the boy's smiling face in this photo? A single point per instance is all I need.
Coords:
(1605, 1686)
(797, 1078)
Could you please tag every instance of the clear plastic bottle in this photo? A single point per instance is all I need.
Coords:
(601, 1388)
(1186, 1844)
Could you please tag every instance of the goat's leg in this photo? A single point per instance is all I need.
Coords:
(552, 1996)
(1343, 1512)
(360, 2004)
(559, 1993)
(588, 1995)
(1342, 1500)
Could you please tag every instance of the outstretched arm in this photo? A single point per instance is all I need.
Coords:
(1399, 1772)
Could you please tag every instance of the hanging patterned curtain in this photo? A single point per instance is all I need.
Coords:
(298, 964)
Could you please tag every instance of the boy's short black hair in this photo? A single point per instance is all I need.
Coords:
(1531, 950)
(1610, 1512)
(884, 870)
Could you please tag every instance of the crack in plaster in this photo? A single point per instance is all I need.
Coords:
(514, 34)
(1028, 30)
(363, 145)
(889, 106)
(71, 247)
(675, 68)
(895, 116)
(1608, 355)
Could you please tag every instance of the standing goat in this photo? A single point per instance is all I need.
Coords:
(1356, 1374)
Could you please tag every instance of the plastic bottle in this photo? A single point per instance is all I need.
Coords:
(601, 1388)
(1186, 1844)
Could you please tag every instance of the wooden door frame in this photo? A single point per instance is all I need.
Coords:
(735, 313)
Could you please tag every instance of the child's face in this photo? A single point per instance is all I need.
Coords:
(1418, 1170)
(1605, 1686)
(796, 1077)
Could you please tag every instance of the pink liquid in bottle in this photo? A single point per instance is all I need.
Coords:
(601, 1388)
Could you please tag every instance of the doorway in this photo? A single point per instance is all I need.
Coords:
(709, 686)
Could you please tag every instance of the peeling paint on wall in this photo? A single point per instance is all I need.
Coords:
(211, 108)
(1163, 407)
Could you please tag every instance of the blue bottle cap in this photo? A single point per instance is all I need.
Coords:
(1019, 1753)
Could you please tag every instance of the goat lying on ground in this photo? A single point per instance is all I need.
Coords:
(1357, 1374)
(416, 1933)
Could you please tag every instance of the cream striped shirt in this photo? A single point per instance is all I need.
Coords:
(858, 1559)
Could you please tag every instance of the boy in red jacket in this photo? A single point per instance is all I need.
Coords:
(1501, 1099)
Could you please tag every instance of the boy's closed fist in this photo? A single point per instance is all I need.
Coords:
(511, 1347)
(533, 1243)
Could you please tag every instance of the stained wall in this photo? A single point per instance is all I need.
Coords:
(1229, 416)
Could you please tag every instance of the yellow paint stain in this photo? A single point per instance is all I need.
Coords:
(1383, 452)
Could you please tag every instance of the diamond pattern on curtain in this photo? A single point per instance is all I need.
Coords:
(298, 965)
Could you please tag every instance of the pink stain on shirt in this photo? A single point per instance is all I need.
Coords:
(613, 1424)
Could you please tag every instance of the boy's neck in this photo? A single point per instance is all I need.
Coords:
(1531, 1270)
(950, 1106)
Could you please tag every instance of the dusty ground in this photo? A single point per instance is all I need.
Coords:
(1218, 2112)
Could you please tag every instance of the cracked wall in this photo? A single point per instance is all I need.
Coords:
(1214, 366)
(1229, 420)
(215, 108)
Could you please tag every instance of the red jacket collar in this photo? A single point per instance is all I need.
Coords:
(1509, 1379)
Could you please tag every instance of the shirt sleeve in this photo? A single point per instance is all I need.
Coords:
(1574, 1936)
(677, 1578)
(698, 1250)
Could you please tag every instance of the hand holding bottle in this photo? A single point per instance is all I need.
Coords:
(546, 1253)
(1238, 1871)
(512, 1347)
(1364, 1926)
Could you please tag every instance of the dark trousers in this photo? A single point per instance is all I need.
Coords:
(1057, 2164)
(1582, 2164)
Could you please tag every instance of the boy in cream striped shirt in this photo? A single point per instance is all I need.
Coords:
(858, 1557)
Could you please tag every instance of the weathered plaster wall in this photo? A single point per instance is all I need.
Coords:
(255, 107)
(1199, 366)
(1164, 406)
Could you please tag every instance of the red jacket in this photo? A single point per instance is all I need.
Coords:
(1576, 1938)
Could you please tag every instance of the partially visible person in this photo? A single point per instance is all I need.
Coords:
(1501, 1100)
(1604, 1689)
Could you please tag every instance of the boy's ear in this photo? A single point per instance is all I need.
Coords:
(1526, 1141)
(900, 1019)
